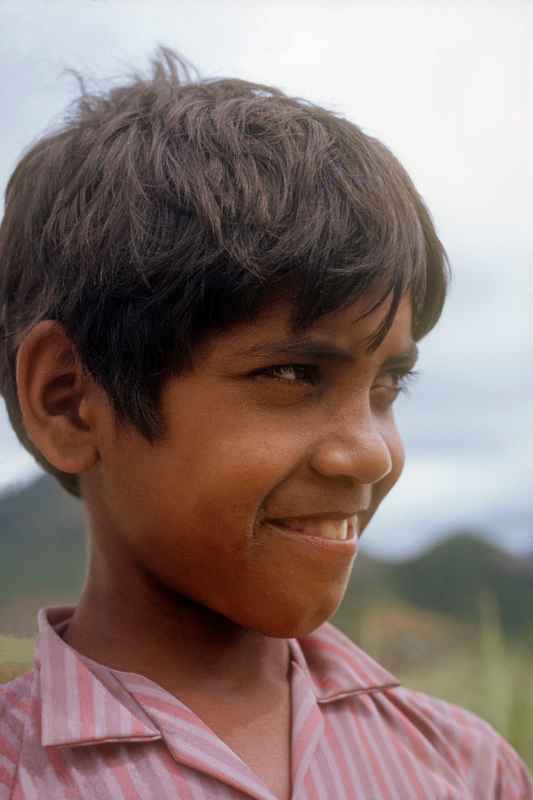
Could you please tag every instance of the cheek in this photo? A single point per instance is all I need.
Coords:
(397, 452)
(397, 456)
(245, 463)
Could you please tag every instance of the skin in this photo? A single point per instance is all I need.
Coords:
(188, 584)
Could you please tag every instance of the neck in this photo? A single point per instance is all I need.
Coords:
(177, 643)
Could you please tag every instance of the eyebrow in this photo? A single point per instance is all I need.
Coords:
(303, 347)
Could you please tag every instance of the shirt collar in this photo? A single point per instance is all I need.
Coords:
(338, 668)
(77, 706)
(81, 705)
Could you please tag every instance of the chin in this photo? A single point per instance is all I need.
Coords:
(292, 622)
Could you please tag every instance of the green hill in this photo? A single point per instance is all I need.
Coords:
(42, 542)
(454, 574)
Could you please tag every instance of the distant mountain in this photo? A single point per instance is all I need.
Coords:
(43, 561)
(41, 541)
(464, 567)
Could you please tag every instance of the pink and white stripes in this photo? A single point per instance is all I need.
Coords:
(76, 729)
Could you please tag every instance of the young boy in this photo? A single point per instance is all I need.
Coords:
(210, 297)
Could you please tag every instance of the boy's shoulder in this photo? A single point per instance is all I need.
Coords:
(436, 730)
(15, 712)
(447, 725)
(420, 706)
(336, 658)
(469, 744)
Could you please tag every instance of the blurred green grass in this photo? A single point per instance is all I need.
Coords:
(476, 667)
(16, 655)
(493, 678)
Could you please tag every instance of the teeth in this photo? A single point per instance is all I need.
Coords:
(334, 530)
(327, 529)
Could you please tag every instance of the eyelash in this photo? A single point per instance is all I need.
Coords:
(402, 377)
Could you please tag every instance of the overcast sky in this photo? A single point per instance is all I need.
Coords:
(448, 86)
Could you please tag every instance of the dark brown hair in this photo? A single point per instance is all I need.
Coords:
(170, 208)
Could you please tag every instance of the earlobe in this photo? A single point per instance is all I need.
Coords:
(56, 399)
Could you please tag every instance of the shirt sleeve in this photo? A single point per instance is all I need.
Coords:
(514, 781)
(489, 767)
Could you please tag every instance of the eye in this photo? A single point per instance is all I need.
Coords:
(399, 383)
(291, 373)
(402, 379)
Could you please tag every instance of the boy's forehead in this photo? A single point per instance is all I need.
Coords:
(351, 328)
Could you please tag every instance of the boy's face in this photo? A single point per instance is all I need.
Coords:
(270, 457)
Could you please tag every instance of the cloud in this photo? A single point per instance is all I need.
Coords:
(438, 494)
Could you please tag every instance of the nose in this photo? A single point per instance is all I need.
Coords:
(358, 452)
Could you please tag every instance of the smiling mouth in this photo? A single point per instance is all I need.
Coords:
(337, 529)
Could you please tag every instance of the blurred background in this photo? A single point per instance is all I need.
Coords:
(443, 589)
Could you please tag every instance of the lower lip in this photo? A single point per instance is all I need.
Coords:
(346, 547)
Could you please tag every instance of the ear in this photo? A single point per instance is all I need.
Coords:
(59, 403)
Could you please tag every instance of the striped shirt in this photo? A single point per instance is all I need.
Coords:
(73, 728)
